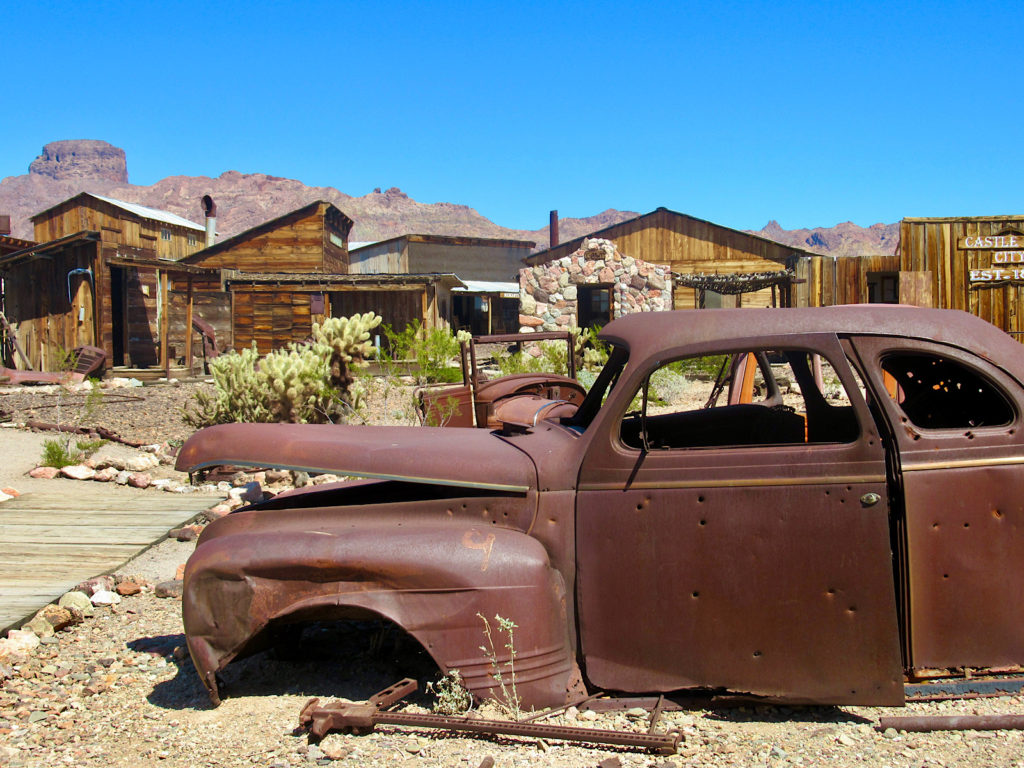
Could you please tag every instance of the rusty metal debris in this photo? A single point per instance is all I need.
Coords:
(362, 718)
(941, 690)
(923, 724)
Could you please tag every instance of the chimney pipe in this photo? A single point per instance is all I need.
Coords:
(210, 209)
(553, 230)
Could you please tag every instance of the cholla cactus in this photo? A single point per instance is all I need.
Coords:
(302, 383)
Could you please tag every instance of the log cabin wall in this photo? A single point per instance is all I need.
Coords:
(975, 264)
(690, 246)
(397, 308)
(270, 316)
(47, 325)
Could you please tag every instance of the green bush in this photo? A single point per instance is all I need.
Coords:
(433, 351)
(57, 453)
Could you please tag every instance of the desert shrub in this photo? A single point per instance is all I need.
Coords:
(433, 350)
(302, 383)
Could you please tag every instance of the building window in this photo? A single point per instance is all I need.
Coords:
(192, 238)
(883, 287)
(595, 305)
(165, 234)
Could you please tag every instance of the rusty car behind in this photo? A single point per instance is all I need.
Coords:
(859, 519)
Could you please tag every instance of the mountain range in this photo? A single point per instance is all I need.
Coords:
(244, 200)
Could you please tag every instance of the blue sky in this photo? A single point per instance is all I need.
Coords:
(810, 114)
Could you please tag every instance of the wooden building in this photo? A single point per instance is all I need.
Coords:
(100, 276)
(275, 280)
(822, 281)
(471, 258)
(692, 247)
(313, 238)
(971, 263)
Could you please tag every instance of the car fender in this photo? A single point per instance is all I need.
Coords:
(436, 579)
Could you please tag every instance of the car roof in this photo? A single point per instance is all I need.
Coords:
(648, 333)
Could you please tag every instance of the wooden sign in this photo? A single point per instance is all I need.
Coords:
(991, 242)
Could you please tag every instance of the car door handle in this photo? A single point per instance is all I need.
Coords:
(870, 499)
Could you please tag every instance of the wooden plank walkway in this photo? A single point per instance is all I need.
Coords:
(51, 541)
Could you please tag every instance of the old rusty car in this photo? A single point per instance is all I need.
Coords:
(858, 521)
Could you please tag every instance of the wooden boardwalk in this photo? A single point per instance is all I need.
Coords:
(50, 541)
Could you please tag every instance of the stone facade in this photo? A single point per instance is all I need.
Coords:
(547, 292)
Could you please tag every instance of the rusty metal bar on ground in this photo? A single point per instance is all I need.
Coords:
(362, 718)
(922, 724)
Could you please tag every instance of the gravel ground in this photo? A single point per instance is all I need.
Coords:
(119, 691)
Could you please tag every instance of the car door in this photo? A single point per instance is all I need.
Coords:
(956, 422)
(751, 553)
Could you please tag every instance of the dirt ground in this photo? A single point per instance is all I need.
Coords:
(119, 691)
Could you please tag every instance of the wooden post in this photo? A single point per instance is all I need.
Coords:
(188, 327)
(165, 361)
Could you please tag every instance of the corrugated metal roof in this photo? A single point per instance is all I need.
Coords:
(151, 213)
(488, 286)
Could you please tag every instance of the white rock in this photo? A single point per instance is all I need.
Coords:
(4, 496)
(78, 472)
(105, 597)
(162, 483)
(78, 600)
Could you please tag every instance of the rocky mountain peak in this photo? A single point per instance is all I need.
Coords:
(81, 159)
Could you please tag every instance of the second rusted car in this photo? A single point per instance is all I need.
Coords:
(860, 518)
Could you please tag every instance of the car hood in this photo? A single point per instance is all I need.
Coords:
(472, 458)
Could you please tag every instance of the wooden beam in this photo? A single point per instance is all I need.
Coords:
(165, 361)
(188, 326)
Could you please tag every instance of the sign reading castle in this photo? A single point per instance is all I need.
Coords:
(994, 256)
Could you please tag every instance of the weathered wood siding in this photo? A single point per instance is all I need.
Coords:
(270, 316)
(470, 260)
(116, 226)
(825, 281)
(315, 242)
(45, 323)
(397, 308)
(213, 307)
(935, 250)
(388, 258)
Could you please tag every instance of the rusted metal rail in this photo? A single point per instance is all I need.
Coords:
(362, 718)
(922, 724)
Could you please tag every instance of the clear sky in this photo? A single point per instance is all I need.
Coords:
(810, 114)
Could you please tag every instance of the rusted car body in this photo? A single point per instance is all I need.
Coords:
(811, 551)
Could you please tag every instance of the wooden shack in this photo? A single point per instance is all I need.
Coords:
(273, 309)
(973, 263)
(692, 246)
(100, 276)
(822, 281)
(277, 279)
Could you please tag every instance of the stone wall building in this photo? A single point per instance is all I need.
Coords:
(591, 286)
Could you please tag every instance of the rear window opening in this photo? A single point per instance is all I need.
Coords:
(936, 392)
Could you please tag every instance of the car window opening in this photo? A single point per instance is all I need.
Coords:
(774, 397)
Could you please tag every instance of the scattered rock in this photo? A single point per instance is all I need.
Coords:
(126, 588)
(16, 646)
(105, 597)
(139, 480)
(169, 588)
(277, 476)
(93, 585)
(179, 572)
(105, 475)
(10, 492)
(44, 473)
(78, 472)
(77, 601)
(216, 512)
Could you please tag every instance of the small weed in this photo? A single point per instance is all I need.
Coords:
(89, 446)
(452, 698)
(57, 453)
(509, 701)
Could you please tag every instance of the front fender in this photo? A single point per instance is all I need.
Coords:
(433, 578)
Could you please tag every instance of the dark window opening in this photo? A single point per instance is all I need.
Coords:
(883, 287)
(937, 393)
(595, 305)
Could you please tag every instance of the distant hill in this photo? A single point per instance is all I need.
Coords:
(65, 168)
